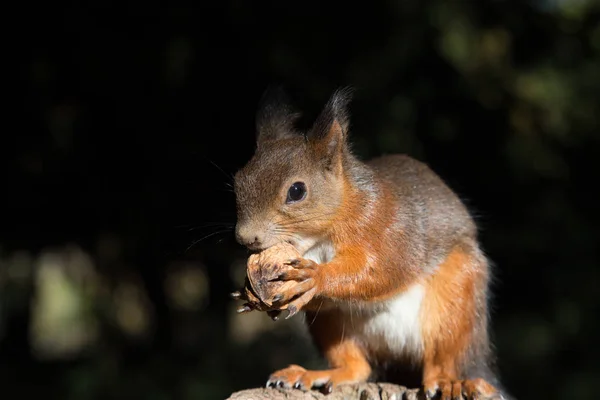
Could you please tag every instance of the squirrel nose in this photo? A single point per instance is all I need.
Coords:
(248, 237)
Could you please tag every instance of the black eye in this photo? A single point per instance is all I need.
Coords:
(297, 192)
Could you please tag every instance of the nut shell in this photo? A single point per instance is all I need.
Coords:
(265, 267)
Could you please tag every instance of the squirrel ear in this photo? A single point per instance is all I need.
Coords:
(275, 117)
(330, 130)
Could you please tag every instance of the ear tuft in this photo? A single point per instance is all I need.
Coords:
(275, 117)
(329, 133)
(336, 109)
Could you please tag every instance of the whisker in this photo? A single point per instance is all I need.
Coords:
(283, 231)
(229, 176)
(287, 235)
(224, 226)
(205, 237)
(225, 221)
(317, 313)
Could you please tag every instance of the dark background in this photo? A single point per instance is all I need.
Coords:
(116, 249)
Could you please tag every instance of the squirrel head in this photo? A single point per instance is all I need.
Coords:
(293, 186)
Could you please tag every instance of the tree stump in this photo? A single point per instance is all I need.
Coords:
(360, 391)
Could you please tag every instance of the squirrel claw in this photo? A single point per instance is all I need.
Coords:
(244, 309)
(298, 295)
(456, 389)
(236, 295)
(430, 393)
(292, 310)
(274, 315)
(298, 385)
(327, 388)
(297, 304)
(277, 298)
(274, 384)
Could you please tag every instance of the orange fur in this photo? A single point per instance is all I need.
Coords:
(363, 252)
(447, 317)
(346, 357)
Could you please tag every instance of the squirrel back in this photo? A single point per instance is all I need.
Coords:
(429, 209)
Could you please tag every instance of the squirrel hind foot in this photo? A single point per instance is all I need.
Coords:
(472, 389)
(297, 377)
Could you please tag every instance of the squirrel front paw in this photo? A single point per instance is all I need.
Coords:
(305, 276)
(253, 303)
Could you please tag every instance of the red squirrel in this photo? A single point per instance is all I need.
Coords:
(392, 279)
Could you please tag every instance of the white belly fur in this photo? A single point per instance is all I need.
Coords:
(392, 326)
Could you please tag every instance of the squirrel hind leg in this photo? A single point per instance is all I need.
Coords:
(347, 359)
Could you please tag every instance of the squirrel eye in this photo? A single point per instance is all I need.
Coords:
(296, 192)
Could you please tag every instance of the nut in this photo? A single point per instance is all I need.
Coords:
(265, 267)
